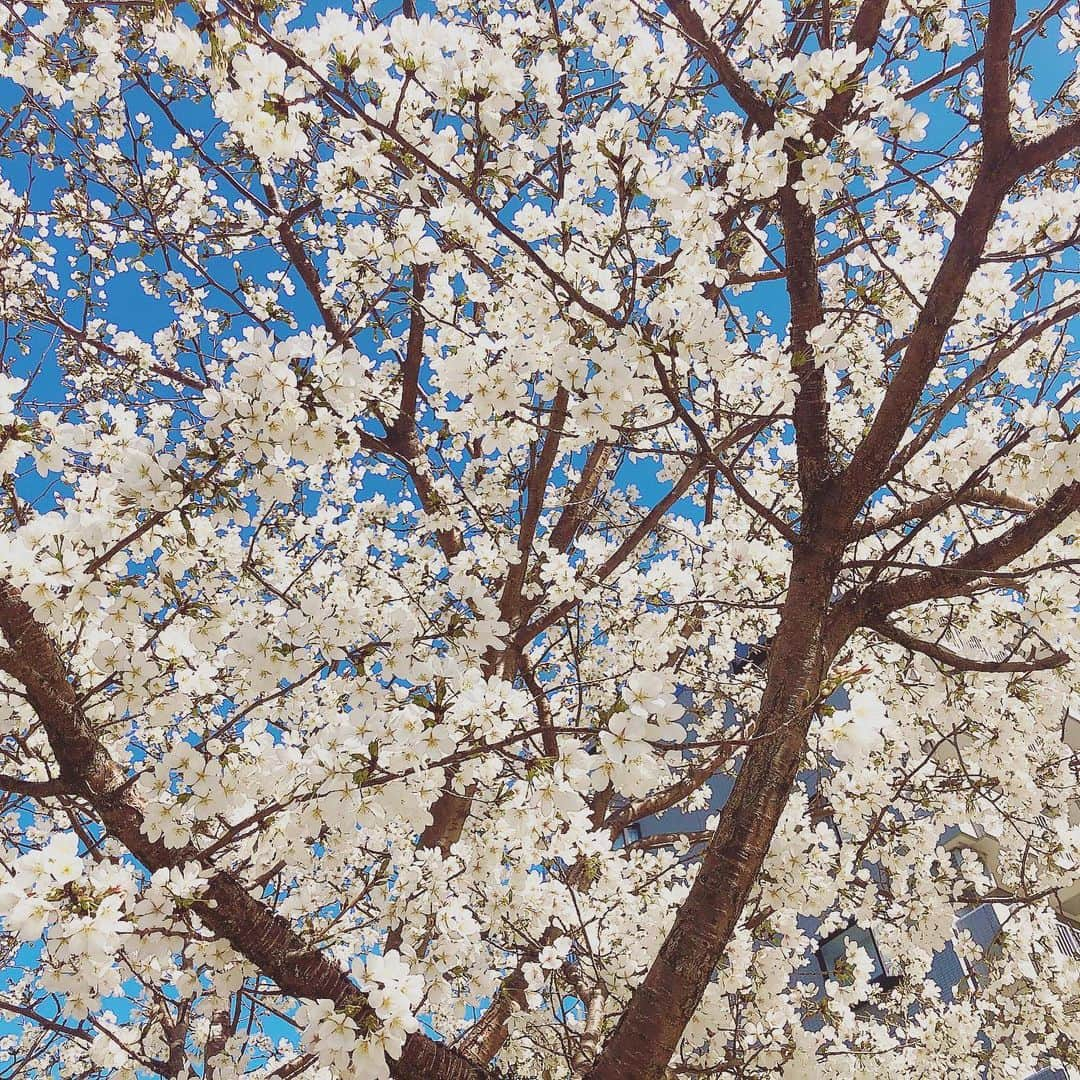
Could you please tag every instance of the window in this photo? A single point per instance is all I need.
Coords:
(984, 926)
(1068, 939)
(832, 956)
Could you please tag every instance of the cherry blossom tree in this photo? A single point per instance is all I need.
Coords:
(404, 414)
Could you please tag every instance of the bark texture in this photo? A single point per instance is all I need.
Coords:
(659, 1010)
(256, 932)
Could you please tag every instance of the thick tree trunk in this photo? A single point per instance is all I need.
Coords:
(650, 1028)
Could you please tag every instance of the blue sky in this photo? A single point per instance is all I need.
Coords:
(128, 306)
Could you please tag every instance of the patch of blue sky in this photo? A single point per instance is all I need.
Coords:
(125, 303)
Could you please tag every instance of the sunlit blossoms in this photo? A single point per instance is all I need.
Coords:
(539, 540)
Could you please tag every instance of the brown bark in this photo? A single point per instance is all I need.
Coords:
(486, 1037)
(256, 932)
(661, 1006)
(535, 491)
(924, 509)
(449, 813)
(996, 76)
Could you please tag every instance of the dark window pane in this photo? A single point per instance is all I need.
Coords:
(833, 952)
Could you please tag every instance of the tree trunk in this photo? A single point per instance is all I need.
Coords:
(650, 1028)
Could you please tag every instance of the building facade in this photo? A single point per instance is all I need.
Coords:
(982, 921)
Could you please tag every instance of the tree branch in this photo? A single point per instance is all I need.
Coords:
(864, 33)
(742, 93)
(259, 934)
(945, 656)
(997, 100)
(575, 510)
(404, 428)
(959, 576)
(38, 789)
(535, 490)
(891, 421)
(924, 509)
(615, 560)
(662, 800)
(807, 313)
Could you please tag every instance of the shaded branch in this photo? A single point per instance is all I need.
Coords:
(926, 508)
(945, 656)
(227, 908)
(38, 789)
(303, 265)
(864, 33)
